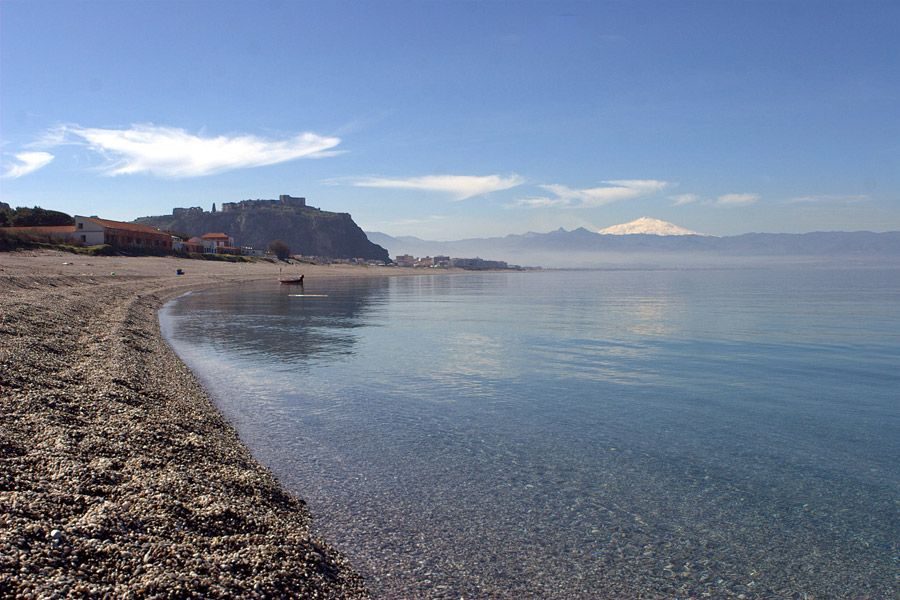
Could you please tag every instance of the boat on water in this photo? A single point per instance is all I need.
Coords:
(291, 280)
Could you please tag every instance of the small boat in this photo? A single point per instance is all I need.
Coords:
(292, 280)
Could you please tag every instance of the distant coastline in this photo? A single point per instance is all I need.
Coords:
(584, 248)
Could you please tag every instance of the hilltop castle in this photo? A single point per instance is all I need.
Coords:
(283, 200)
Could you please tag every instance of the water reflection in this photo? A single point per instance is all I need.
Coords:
(660, 434)
(287, 324)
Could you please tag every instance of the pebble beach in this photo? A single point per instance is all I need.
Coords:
(119, 477)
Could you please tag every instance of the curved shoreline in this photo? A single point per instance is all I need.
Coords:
(119, 476)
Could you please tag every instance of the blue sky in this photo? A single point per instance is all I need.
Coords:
(459, 119)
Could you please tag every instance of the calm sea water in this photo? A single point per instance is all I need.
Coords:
(576, 434)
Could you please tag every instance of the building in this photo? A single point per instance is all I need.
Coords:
(283, 200)
(289, 200)
(405, 260)
(177, 212)
(477, 264)
(218, 243)
(193, 245)
(93, 231)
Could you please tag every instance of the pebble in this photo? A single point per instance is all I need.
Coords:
(109, 444)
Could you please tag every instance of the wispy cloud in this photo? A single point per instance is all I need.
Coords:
(537, 202)
(828, 198)
(737, 199)
(613, 190)
(459, 187)
(175, 153)
(682, 199)
(29, 162)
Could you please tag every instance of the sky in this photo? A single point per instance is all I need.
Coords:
(448, 120)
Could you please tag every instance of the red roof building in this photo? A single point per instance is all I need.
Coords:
(92, 231)
(218, 242)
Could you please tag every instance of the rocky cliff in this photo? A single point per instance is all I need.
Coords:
(305, 230)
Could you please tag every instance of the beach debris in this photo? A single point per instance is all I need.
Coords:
(56, 537)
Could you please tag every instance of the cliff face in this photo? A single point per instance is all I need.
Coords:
(305, 230)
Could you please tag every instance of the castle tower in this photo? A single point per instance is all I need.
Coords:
(288, 200)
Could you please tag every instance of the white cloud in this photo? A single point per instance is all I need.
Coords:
(172, 152)
(614, 190)
(682, 199)
(737, 199)
(29, 162)
(537, 202)
(460, 187)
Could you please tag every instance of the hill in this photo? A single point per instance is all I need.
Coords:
(306, 230)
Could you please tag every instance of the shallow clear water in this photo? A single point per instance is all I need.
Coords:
(576, 434)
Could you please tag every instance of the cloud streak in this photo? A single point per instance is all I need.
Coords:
(174, 153)
(613, 190)
(29, 162)
(737, 199)
(459, 187)
(682, 199)
(537, 202)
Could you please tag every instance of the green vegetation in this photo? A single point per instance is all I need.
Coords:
(279, 249)
(32, 217)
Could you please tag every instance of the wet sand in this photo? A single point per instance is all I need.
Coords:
(118, 474)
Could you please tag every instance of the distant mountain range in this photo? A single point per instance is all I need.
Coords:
(653, 246)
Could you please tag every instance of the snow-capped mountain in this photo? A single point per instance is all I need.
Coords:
(647, 226)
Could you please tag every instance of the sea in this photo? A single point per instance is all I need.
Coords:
(622, 433)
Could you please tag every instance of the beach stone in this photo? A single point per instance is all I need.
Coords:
(119, 477)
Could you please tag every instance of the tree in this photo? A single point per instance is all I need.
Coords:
(38, 217)
(279, 249)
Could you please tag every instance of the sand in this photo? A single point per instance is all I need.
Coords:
(118, 474)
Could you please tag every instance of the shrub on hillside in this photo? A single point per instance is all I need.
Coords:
(279, 249)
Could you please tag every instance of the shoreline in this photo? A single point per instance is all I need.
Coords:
(119, 474)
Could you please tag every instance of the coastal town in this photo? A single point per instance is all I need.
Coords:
(136, 238)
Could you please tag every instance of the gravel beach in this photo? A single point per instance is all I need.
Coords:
(119, 477)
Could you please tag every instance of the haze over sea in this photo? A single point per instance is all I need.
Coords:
(566, 434)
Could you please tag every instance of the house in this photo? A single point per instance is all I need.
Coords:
(218, 243)
(193, 245)
(92, 231)
(477, 264)
(405, 260)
